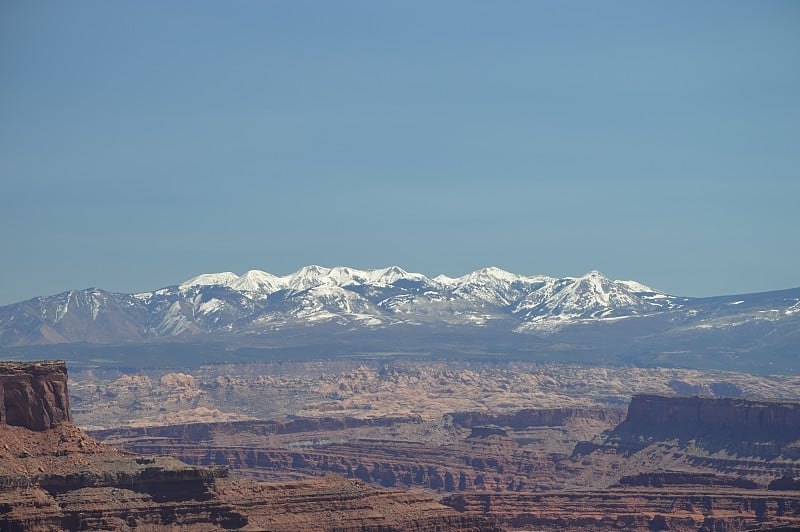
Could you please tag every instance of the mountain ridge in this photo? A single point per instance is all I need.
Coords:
(489, 303)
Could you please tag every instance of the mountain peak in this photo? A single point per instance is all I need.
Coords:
(595, 274)
(312, 269)
(493, 272)
(206, 279)
(256, 302)
(390, 275)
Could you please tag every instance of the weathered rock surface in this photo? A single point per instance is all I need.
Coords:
(660, 479)
(450, 454)
(754, 440)
(537, 417)
(58, 478)
(332, 503)
(514, 465)
(676, 463)
(34, 395)
(205, 432)
(378, 388)
(682, 509)
(753, 420)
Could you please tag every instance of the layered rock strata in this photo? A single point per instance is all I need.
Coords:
(34, 395)
(55, 477)
(60, 479)
(458, 453)
(725, 417)
(682, 509)
(537, 417)
(754, 440)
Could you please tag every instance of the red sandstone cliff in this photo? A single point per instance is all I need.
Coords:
(756, 418)
(34, 395)
(54, 477)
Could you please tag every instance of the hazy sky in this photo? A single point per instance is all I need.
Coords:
(142, 143)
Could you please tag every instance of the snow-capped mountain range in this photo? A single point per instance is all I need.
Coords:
(261, 305)
(392, 295)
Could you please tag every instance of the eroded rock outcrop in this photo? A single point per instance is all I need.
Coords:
(537, 417)
(755, 419)
(53, 476)
(684, 509)
(455, 453)
(738, 437)
(68, 482)
(34, 394)
(60, 479)
(661, 479)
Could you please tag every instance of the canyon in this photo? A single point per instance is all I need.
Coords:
(398, 445)
(529, 468)
(674, 463)
(53, 476)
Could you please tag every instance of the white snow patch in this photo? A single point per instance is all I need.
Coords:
(208, 279)
(639, 287)
(210, 306)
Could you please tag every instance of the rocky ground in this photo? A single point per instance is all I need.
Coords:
(53, 476)
(369, 445)
(662, 463)
(456, 453)
(379, 387)
(61, 479)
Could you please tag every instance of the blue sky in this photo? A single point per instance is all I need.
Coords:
(142, 143)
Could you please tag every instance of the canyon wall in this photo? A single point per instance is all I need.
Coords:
(680, 509)
(755, 418)
(201, 432)
(34, 394)
(536, 417)
(53, 476)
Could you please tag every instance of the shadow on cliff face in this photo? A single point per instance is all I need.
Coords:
(745, 428)
(54, 477)
(34, 395)
(162, 478)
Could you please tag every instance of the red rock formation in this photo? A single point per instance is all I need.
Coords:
(686, 509)
(199, 432)
(66, 481)
(34, 395)
(54, 477)
(475, 462)
(333, 503)
(727, 414)
(662, 479)
(60, 479)
(537, 417)
(754, 440)
(443, 455)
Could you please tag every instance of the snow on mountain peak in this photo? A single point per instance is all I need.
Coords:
(207, 279)
(494, 273)
(392, 274)
(313, 269)
(639, 287)
(307, 277)
(444, 280)
(592, 296)
(344, 276)
(494, 286)
(532, 298)
(257, 283)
